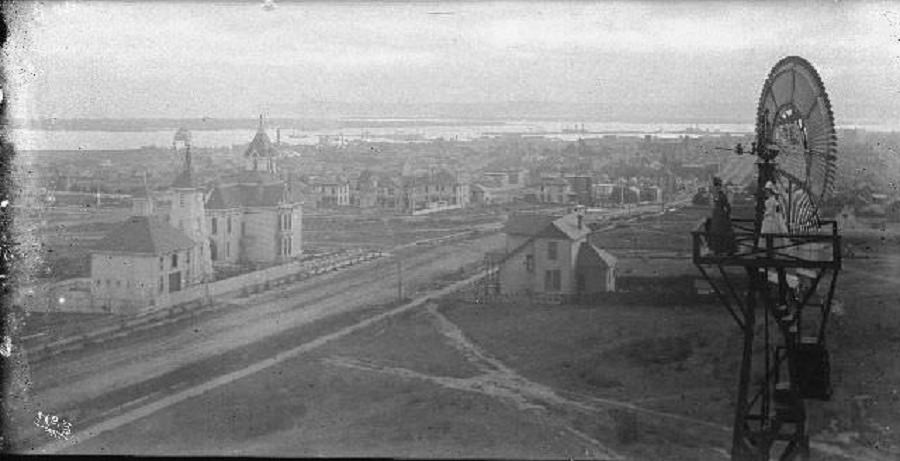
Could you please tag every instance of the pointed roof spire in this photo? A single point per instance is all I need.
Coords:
(261, 144)
(186, 178)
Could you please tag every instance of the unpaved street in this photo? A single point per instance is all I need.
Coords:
(64, 384)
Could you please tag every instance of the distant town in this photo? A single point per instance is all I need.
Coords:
(491, 173)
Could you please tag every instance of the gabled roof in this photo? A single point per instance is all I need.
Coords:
(527, 224)
(224, 198)
(570, 227)
(546, 226)
(253, 177)
(591, 255)
(145, 235)
(443, 176)
(229, 196)
(327, 182)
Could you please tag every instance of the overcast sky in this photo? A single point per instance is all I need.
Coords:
(233, 59)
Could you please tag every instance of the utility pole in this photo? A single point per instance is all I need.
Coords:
(399, 280)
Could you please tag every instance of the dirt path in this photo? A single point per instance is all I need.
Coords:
(195, 391)
(62, 383)
(499, 381)
(496, 380)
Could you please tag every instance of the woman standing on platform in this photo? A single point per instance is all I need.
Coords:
(773, 219)
(721, 234)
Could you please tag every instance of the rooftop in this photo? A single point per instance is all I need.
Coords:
(261, 145)
(228, 196)
(590, 255)
(549, 226)
(145, 235)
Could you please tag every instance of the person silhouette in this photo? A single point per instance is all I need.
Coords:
(721, 234)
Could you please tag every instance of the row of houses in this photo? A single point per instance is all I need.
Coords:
(441, 189)
(438, 189)
(566, 190)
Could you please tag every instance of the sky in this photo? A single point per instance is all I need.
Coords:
(620, 61)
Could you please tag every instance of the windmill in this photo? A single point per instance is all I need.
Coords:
(779, 287)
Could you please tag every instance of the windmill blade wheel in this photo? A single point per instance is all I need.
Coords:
(794, 119)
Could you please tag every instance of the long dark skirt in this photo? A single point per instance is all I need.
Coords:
(721, 234)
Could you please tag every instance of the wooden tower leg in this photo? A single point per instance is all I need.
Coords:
(741, 448)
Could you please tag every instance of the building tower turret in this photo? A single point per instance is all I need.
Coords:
(188, 214)
(142, 201)
(261, 155)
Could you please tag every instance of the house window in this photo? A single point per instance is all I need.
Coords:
(286, 246)
(161, 286)
(161, 263)
(229, 225)
(174, 260)
(215, 225)
(529, 263)
(552, 250)
(227, 249)
(187, 257)
(242, 228)
(552, 281)
(174, 282)
(181, 200)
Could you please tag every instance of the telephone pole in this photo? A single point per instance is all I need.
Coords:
(399, 280)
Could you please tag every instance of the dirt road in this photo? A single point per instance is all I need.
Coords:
(75, 385)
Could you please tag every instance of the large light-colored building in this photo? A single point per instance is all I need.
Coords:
(331, 192)
(252, 217)
(436, 189)
(140, 263)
